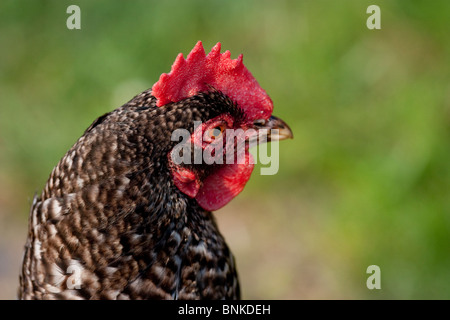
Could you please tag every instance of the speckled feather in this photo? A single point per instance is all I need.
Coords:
(111, 215)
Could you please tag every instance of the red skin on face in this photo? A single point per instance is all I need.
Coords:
(199, 73)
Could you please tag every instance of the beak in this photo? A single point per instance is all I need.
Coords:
(276, 128)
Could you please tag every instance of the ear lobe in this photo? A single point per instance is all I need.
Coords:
(186, 181)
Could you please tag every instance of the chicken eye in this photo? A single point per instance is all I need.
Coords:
(215, 133)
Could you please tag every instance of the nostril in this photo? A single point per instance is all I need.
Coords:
(259, 122)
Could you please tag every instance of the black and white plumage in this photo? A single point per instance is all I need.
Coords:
(111, 223)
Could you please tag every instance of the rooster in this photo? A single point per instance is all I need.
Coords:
(120, 218)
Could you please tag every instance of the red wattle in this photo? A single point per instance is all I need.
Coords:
(223, 185)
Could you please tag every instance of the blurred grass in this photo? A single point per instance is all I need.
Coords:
(365, 181)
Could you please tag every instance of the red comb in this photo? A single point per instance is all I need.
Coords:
(198, 72)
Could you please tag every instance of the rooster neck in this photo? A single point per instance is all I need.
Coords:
(110, 211)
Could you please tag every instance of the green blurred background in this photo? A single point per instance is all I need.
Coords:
(366, 180)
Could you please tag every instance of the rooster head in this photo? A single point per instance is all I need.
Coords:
(234, 109)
